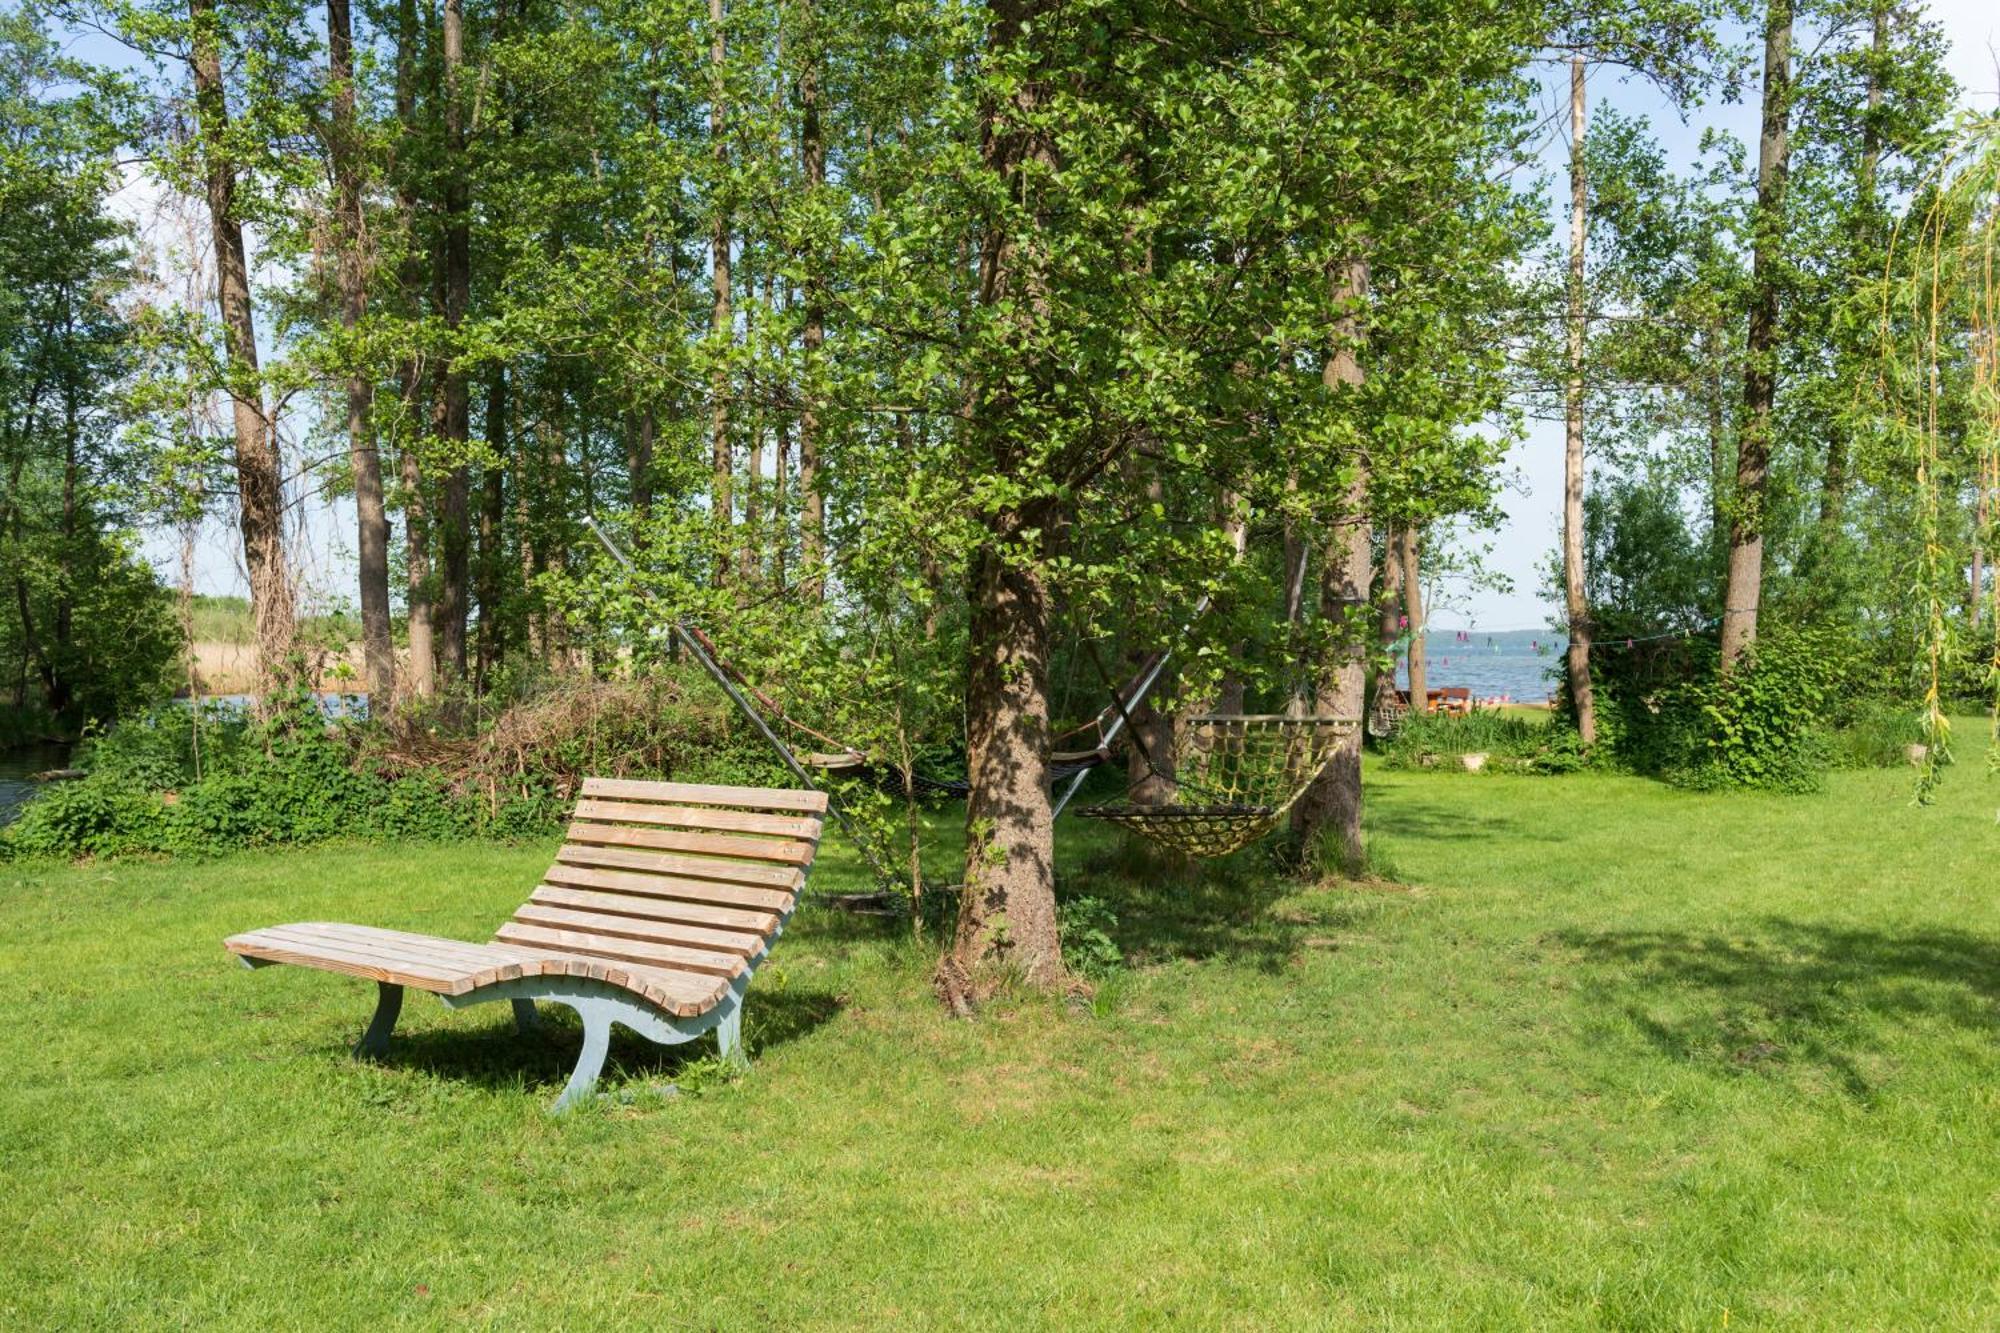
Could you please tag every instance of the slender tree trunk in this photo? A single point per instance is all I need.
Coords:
(1744, 594)
(1389, 608)
(456, 525)
(421, 677)
(492, 526)
(1577, 610)
(378, 651)
(1330, 810)
(260, 487)
(812, 160)
(721, 328)
(1718, 442)
(1833, 486)
(1408, 555)
(639, 467)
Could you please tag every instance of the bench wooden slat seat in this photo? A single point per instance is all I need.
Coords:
(661, 903)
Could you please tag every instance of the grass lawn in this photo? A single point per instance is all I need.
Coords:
(1623, 1057)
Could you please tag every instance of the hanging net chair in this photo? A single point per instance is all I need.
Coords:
(1234, 778)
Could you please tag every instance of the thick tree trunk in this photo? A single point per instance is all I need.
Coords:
(455, 527)
(722, 460)
(1007, 912)
(812, 161)
(1411, 576)
(260, 487)
(1576, 608)
(378, 651)
(1007, 916)
(1330, 810)
(1745, 589)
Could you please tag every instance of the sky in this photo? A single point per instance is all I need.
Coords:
(1519, 551)
(1525, 544)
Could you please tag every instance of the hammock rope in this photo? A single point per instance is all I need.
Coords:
(1246, 772)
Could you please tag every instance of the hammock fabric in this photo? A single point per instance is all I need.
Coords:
(1244, 772)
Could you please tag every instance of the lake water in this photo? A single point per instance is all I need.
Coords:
(15, 767)
(1511, 664)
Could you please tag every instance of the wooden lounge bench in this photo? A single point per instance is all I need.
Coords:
(662, 902)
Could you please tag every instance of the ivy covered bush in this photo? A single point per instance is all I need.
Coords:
(176, 781)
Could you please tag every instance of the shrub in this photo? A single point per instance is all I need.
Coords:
(1519, 743)
(1765, 724)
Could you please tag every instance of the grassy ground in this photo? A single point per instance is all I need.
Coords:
(1626, 1057)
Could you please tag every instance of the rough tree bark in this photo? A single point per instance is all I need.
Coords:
(1007, 911)
(1744, 592)
(378, 652)
(1330, 810)
(1576, 608)
(260, 488)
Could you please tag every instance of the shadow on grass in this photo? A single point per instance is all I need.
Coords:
(494, 1055)
(1431, 820)
(1785, 992)
(1169, 906)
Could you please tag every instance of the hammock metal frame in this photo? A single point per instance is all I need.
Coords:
(1250, 768)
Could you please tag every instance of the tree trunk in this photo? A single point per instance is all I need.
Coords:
(421, 677)
(1388, 609)
(1576, 609)
(492, 527)
(1330, 810)
(456, 525)
(260, 487)
(721, 330)
(378, 650)
(1833, 485)
(812, 160)
(1744, 594)
(1007, 914)
(1408, 552)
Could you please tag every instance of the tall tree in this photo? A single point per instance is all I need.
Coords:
(259, 481)
(455, 518)
(345, 148)
(1576, 612)
(1743, 592)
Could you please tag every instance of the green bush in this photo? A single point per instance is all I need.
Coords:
(174, 781)
(1765, 725)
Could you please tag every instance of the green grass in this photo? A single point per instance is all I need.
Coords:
(1627, 1057)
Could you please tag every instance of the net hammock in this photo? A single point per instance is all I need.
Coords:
(1235, 778)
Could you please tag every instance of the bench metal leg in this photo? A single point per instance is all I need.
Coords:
(729, 1038)
(589, 1064)
(374, 1043)
(526, 1020)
